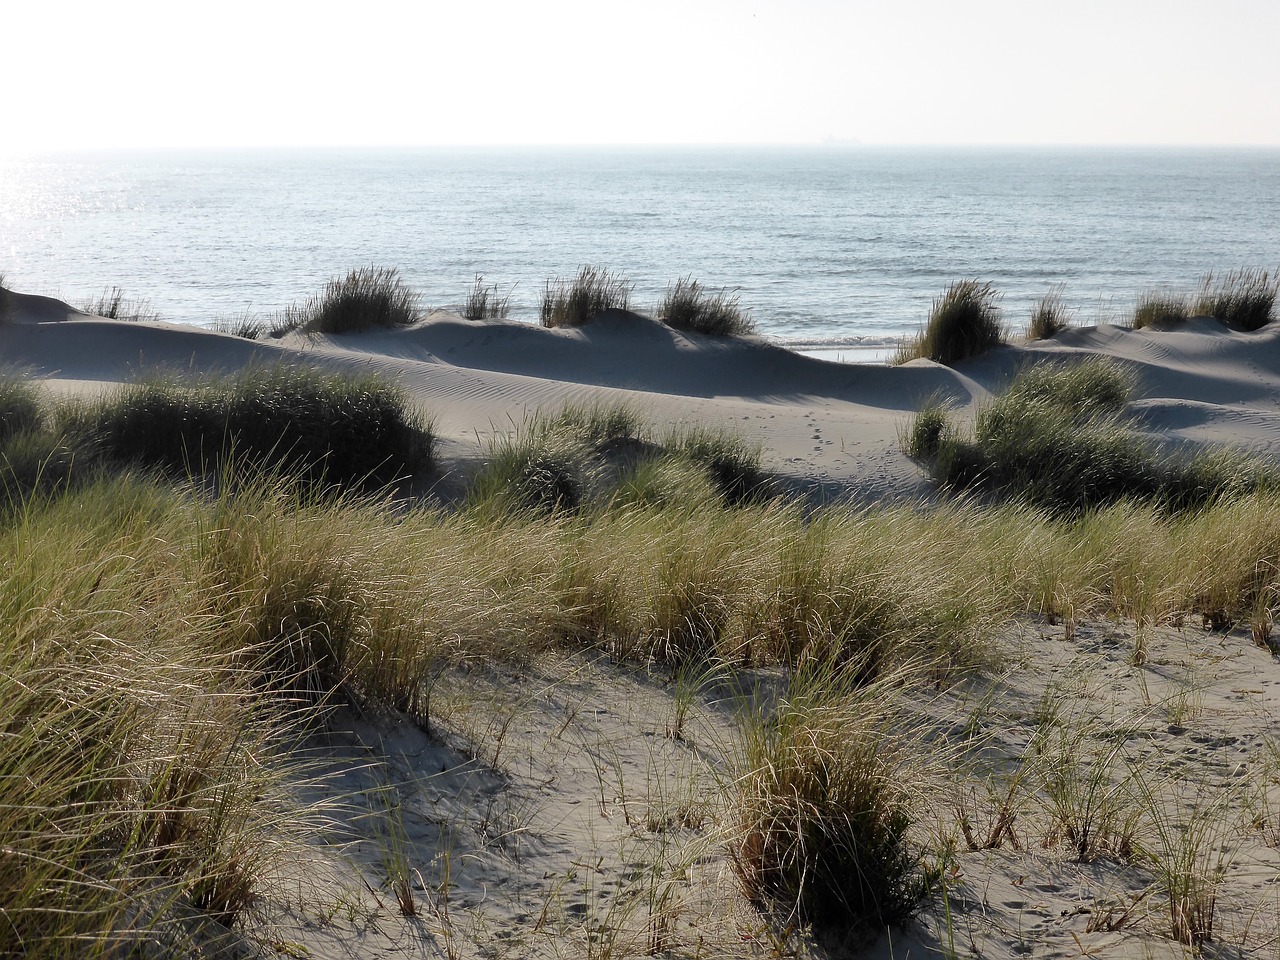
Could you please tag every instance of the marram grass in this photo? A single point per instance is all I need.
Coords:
(155, 637)
(319, 428)
(585, 458)
(1242, 299)
(484, 302)
(1161, 309)
(687, 305)
(1049, 316)
(367, 298)
(112, 304)
(128, 798)
(1056, 439)
(965, 321)
(821, 806)
(572, 303)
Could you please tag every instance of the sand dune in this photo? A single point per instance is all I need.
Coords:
(550, 823)
(827, 427)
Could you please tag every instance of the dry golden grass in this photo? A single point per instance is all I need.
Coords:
(154, 638)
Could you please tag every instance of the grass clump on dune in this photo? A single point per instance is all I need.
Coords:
(964, 322)
(733, 464)
(572, 303)
(246, 326)
(820, 808)
(538, 471)
(927, 432)
(485, 303)
(1088, 389)
(316, 427)
(1161, 309)
(688, 306)
(1049, 316)
(586, 458)
(112, 304)
(368, 298)
(1242, 299)
(666, 483)
(1056, 439)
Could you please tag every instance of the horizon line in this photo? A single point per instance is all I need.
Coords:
(832, 145)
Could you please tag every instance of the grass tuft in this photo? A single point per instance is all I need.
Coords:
(1087, 389)
(666, 483)
(1049, 316)
(1056, 439)
(820, 815)
(314, 427)
(924, 437)
(1161, 310)
(112, 304)
(688, 306)
(733, 464)
(246, 326)
(591, 457)
(965, 322)
(484, 303)
(367, 298)
(573, 303)
(1242, 299)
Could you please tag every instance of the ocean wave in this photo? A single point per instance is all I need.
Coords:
(838, 343)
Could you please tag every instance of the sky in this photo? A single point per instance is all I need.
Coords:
(136, 74)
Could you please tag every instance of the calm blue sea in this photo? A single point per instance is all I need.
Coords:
(825, 246)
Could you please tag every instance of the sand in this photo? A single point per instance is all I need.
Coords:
(547, 805)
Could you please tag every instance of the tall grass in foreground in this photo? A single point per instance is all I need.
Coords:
(820, 806)
(688, 306)
(20, 407)
(965, 321)
(141, 790)
(367, 298)
(154, 642)
(161, 648)
(571, 303)
(33, 460)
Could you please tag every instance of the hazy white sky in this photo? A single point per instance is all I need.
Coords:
(87, 74)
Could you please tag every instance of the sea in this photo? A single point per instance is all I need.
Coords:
(833, 250)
